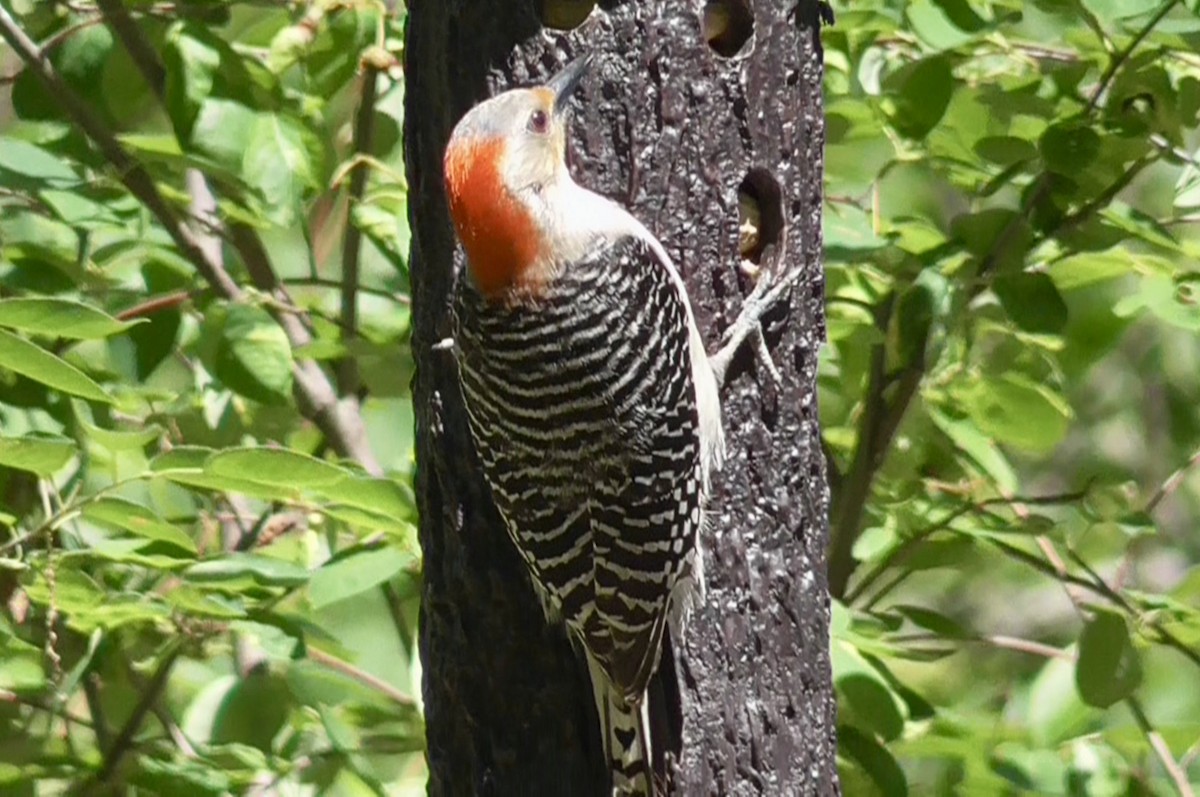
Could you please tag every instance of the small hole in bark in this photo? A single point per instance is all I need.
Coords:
(728, 26)
(565, 14)
(760, 217)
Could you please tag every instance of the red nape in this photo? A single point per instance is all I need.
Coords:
(500, 238)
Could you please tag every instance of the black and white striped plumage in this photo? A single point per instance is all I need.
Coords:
(592, 402)
(586, 417)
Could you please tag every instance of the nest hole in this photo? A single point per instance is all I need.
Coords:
(728, 26)
(761, 225)
(565, 14)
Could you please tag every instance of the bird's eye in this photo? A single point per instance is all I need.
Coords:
(539, 122)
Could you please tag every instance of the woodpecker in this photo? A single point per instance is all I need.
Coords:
(591, 400)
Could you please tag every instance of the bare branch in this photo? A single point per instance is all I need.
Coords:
(364, 134)
(151, 692)
(1159, 745)
(140, 51)
(362, 676)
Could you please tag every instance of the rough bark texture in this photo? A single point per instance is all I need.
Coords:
(670, 129)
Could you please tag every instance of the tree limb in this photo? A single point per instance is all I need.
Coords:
(364, 134)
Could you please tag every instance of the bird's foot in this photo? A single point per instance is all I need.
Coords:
(768, 291)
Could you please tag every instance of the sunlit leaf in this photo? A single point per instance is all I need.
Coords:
(23, 357)
(38, 454)
(355, 573)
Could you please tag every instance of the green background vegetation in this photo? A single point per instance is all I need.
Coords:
(207, 588)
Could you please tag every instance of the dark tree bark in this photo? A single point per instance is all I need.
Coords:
(672, 129)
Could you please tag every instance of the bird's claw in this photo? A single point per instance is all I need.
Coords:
(767, 292)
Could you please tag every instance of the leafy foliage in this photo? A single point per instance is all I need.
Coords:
(1008, 397)
(210, 583)
(208, 588)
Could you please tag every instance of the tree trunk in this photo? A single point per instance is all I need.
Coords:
(671, 127)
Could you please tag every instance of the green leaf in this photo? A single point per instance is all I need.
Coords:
(967, 437)
(350, 575)
(253, 357)
(275, 466)
(1109, 668)
(121, 440)
(314, 685)
(1005, 150)
(934, 621)
(1169, 301)
(945, 24)
(22, 357)
(883, 776)
(997, 235)
(382, 496)
(281, 160)
(264, 571)
(920, 93)
(1017, 411)
(43, 455)
(31, 161)
(21, 673)
(59, 318)
(1088, 268)
(917, 323)
(253, 710)
(138, 520)
(1068, 148)
(80, 211)
(1032, 301)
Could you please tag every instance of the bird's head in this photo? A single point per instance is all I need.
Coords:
(504, 166)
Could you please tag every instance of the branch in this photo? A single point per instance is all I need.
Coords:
(150, 695)
(880, 419)
(1159, 745)
(340, 423)
(153, 305)
(1172, 483)
(362, 676)
(1028, 646)
(140, 51)
(1123, 55)
(322, 282)
(91, 693)
(364, 134)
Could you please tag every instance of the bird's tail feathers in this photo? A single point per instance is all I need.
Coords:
(625, 733)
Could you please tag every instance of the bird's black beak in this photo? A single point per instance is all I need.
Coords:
(567, 80)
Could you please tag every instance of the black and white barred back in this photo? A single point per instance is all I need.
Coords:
(582, 406)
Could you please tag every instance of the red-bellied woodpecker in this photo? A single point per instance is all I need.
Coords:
(591, 400)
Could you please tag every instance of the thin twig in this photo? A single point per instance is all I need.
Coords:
(1159, 745)
(151, 692)
(154, 305)
(364, 134)
(1123, 55)
(1172, 483)
(139, 50)
(1097, 586)
(324, 282)
(1028, 646)
(91, 693)
(174, 731)
(903, 551)
(362, 676)
(846, 515)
